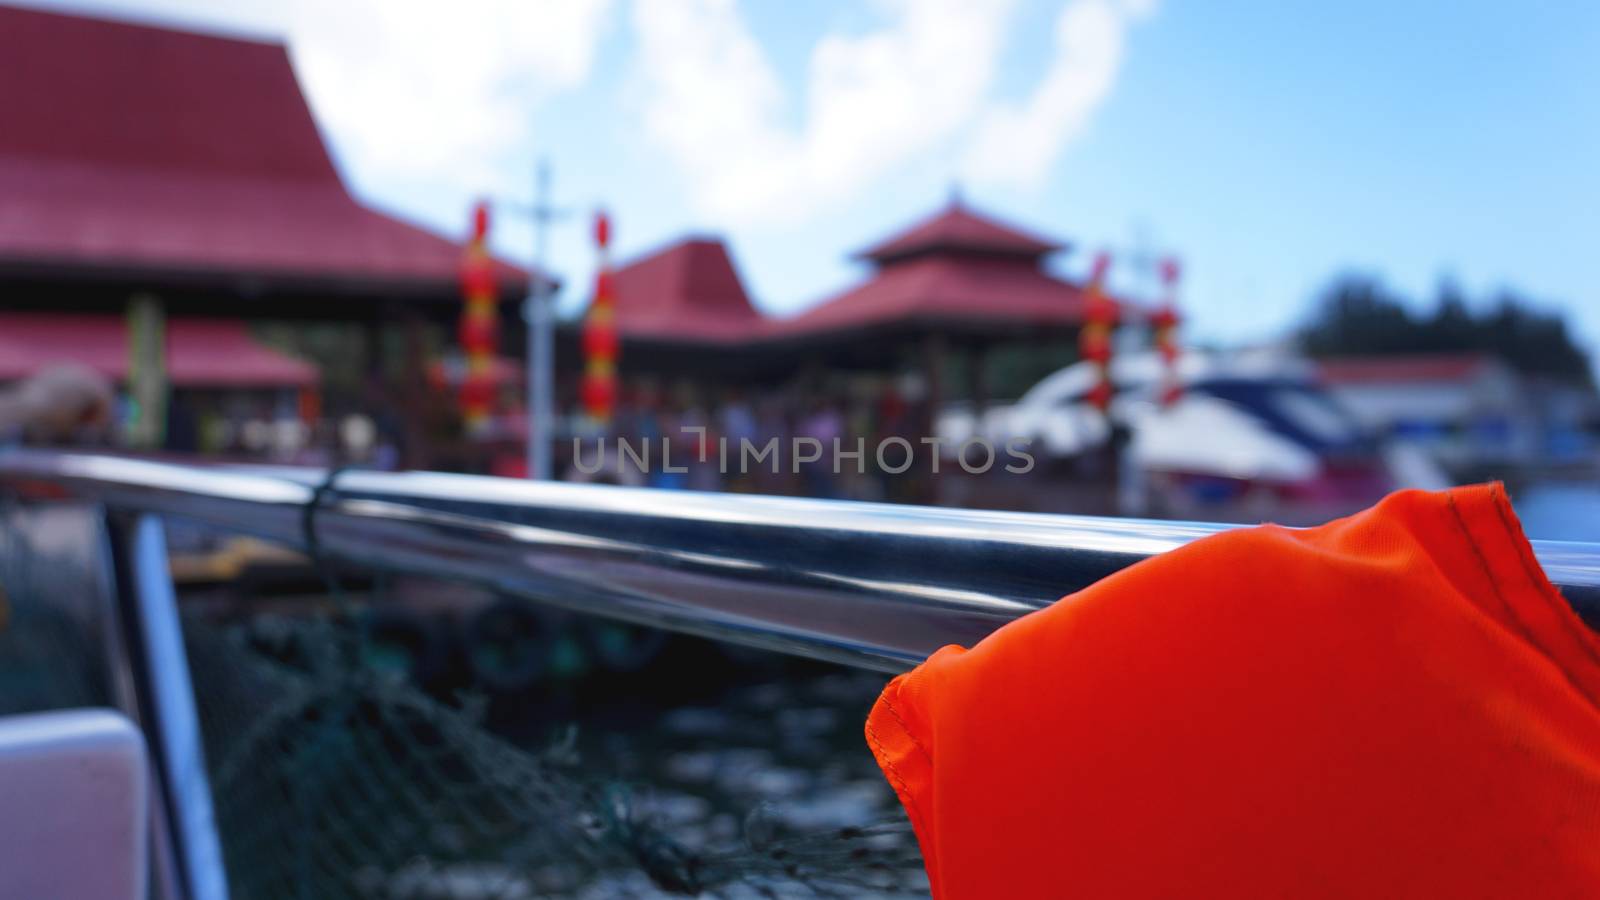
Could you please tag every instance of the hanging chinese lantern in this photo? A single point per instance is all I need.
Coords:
(480, 326)
(1094, 340)
(1165, 327)
(600, 343)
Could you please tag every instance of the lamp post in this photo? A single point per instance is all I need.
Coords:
(478, 328)
(540, 317)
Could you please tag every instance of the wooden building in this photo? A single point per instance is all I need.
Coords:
(140, 161)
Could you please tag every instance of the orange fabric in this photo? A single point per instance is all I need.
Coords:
(1397, 704)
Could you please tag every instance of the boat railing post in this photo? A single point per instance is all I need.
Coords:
(185, 838)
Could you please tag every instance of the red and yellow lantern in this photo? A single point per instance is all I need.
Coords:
(1164, 326)
(601, 346)
(480, 326)
(1094, 340)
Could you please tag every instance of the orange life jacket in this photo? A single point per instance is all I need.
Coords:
(1396, 704)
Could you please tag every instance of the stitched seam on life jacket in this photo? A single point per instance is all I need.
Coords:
(889, 705)
(897, 780)
(893, 773)
(1483, 563)
(1542, 585)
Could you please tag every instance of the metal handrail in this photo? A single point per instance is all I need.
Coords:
(868, 584)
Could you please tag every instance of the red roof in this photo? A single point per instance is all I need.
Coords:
(687, 292)
(212, 353)
(935, 290)
(134, 148)
(1410, 368)
(959, 229)
(957, 266)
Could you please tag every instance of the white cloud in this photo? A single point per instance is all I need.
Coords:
(410, 87)
(871, 101)
(1017, 144)
(711, 99)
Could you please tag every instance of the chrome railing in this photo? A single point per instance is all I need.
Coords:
(866, 584)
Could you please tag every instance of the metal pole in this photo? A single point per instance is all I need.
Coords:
(147, 604)
(541, 343)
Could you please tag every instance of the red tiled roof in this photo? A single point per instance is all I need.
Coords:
(689, 291)
(957, 228)
(1410, 368)
(212, 353)
(936, 289)
(135, 148)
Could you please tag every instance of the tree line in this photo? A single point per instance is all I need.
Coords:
(1359, 315)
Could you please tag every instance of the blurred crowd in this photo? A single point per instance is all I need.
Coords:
(687, 437)
(717, 436)
(67, 405)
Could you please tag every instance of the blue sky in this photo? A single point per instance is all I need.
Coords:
(1269, 145)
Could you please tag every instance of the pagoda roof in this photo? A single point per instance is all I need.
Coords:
(957, 270)
(934, 292)
(960, 229)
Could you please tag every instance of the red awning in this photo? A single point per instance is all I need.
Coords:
(209, 353)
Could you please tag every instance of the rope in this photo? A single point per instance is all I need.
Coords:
(348, 654)
(308, 517)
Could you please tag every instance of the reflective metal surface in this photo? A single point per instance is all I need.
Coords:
(166, 706)
(873, 585)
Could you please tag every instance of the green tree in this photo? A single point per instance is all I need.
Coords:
(1359, 315)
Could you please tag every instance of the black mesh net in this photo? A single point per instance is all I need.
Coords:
(421, 741)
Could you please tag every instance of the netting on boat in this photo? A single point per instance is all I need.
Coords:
(335, 774)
